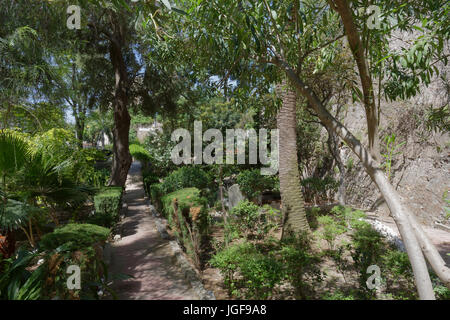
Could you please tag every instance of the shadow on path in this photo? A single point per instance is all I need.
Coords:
(143, 254)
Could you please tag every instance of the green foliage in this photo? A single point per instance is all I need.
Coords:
(398, 274)
(99, 177)
(317, 188)
(252, 183)
(250, 220)
(338, 295)
(186, 199)
(156, 192)
(74, 236)
(442, 292)
(438, 119)
(16, 151)
(18, 283)
(258, 272)
(159, 146)
(348, 217)
(300, 265)
(331, 229)
(391, 150)
(107, 204)
(139, 153)
(14, 214)
(349, 164)
(190, 222)
(446, 199)
(186, 177)
(368, 249)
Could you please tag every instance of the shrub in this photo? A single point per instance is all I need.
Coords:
(107, 204)
(398, 272)
(300, 265)
(251, 220)
(317, 188)
(148, 178)
(257, 273)
(139, 153)
(186, 213)
(156, 193)
(368, 249)
(99, 177)
(252, 183)
(186, 177)
(75, 244)
(348, 217)
(74, 236)
(331, 229)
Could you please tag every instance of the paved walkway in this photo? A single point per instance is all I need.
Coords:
(143, 254)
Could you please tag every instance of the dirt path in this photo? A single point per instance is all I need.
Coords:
(143, 254)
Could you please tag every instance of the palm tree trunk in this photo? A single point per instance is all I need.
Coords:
(402, 217)
(292, 201)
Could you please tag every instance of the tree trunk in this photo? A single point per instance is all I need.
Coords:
(79, 129)
(342, 7)
(335, 152)
(292, 201)
(122, 157)
(393, 200)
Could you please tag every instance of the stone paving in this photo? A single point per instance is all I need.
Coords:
(143, 254)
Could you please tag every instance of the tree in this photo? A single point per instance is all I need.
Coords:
(258, 33)
(291, 193)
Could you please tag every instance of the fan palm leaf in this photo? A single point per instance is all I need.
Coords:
(14, 214)
(14, 152)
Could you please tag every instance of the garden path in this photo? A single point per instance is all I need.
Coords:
(143, 254)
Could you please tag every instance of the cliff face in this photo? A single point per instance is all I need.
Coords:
(421, 169)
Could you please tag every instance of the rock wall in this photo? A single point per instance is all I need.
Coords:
(421, 169)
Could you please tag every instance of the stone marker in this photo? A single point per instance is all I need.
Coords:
(234, 196)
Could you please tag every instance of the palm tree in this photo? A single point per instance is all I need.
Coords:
(292, 201)
(15, 152)
(39, 184)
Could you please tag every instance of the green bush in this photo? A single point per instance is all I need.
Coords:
(348, 217)
(107, 204)
(368, 249)
(252, 183)
(300, 265)
(74, 236)
(139, 153)
(149, 178)
(156, 193)
(317, 188)
(74, 244)
(186, 177)
(331, 229)
(190, 224)
(251, 220)
(99, 177)
(258, 273)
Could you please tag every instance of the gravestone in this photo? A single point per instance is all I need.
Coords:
(234, 196)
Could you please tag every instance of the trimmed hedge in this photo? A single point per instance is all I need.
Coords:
(186, 198)
(139, 153)
(186, 177)
(107, 204)
(74, 236)
(190, 226)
